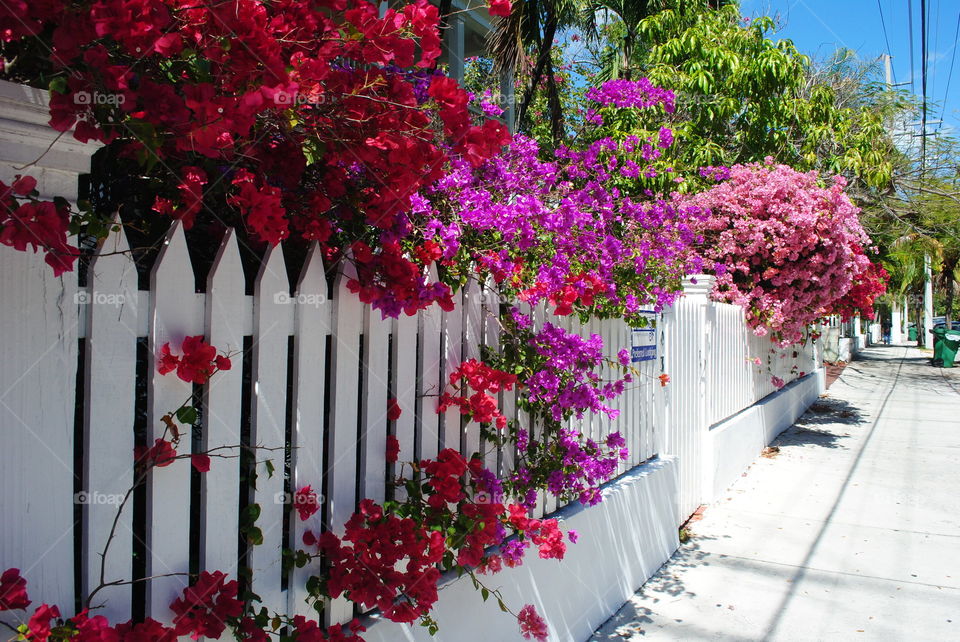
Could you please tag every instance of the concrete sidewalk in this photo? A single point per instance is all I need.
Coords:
(851, 531)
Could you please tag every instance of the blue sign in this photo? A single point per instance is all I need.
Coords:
(643, 344)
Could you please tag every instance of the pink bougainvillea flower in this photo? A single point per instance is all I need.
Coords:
(532, 626)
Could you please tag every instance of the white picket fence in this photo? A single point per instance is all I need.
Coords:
(709, 354)
(310, 389)
(370, 360)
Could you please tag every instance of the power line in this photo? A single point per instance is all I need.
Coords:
(953, 58)
(883, 23)
(923, 87)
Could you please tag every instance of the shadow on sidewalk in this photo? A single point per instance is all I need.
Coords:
(831, 414)
(668, 581)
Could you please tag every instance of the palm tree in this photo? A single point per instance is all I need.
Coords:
(534, 24)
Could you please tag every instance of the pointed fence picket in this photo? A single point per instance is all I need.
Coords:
(220, 486)
(311, 332)
(344, 398)
(109, 397)
(175, 314)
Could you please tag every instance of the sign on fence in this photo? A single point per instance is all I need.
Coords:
(643, 342)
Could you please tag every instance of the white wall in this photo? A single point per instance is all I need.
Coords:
(623, 541)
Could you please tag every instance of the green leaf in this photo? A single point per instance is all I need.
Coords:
(270, 468)
(187, 415)
(255, 536)
(484, 593)
(58, 85)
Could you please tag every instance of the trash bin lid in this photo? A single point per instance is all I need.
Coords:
(952, 335)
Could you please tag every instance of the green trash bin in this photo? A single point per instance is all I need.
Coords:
(938, 345)
(949, 346)
(912, 333)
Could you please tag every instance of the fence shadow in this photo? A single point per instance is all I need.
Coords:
(666, 583)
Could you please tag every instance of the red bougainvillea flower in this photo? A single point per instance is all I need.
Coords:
(310, 631)
(160, 454)
(147, 631)
(198, 361)
(306, 503)
(23, 185)
(39, 624)
(201, 462)
(393, 410)
(531, 624)
(39, 225)
(13, 590)
(500, 8)
(205, 607)
(393, 449)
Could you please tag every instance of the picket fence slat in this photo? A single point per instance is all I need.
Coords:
(373, 426)
(472, 339)
(430, 385)
(272, 320)
(489, 314)
(220, 486)
(172, 318)
(404, 386)
(109, 395)
(309, 387)
(344, 399)
(453, 356)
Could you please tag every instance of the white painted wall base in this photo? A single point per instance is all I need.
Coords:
(623, 541)
(734, 443)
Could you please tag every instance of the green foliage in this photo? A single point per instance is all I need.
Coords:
(742, 96)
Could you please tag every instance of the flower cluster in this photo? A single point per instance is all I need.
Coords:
(482, 379)
(390, 556)
(36, 224)
(786, 249)
(197, 362)
(206, 608)
(563, 232)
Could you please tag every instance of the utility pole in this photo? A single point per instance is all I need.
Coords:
(927, 272)
(898, 315)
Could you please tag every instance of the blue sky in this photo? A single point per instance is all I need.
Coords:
(818, 27)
